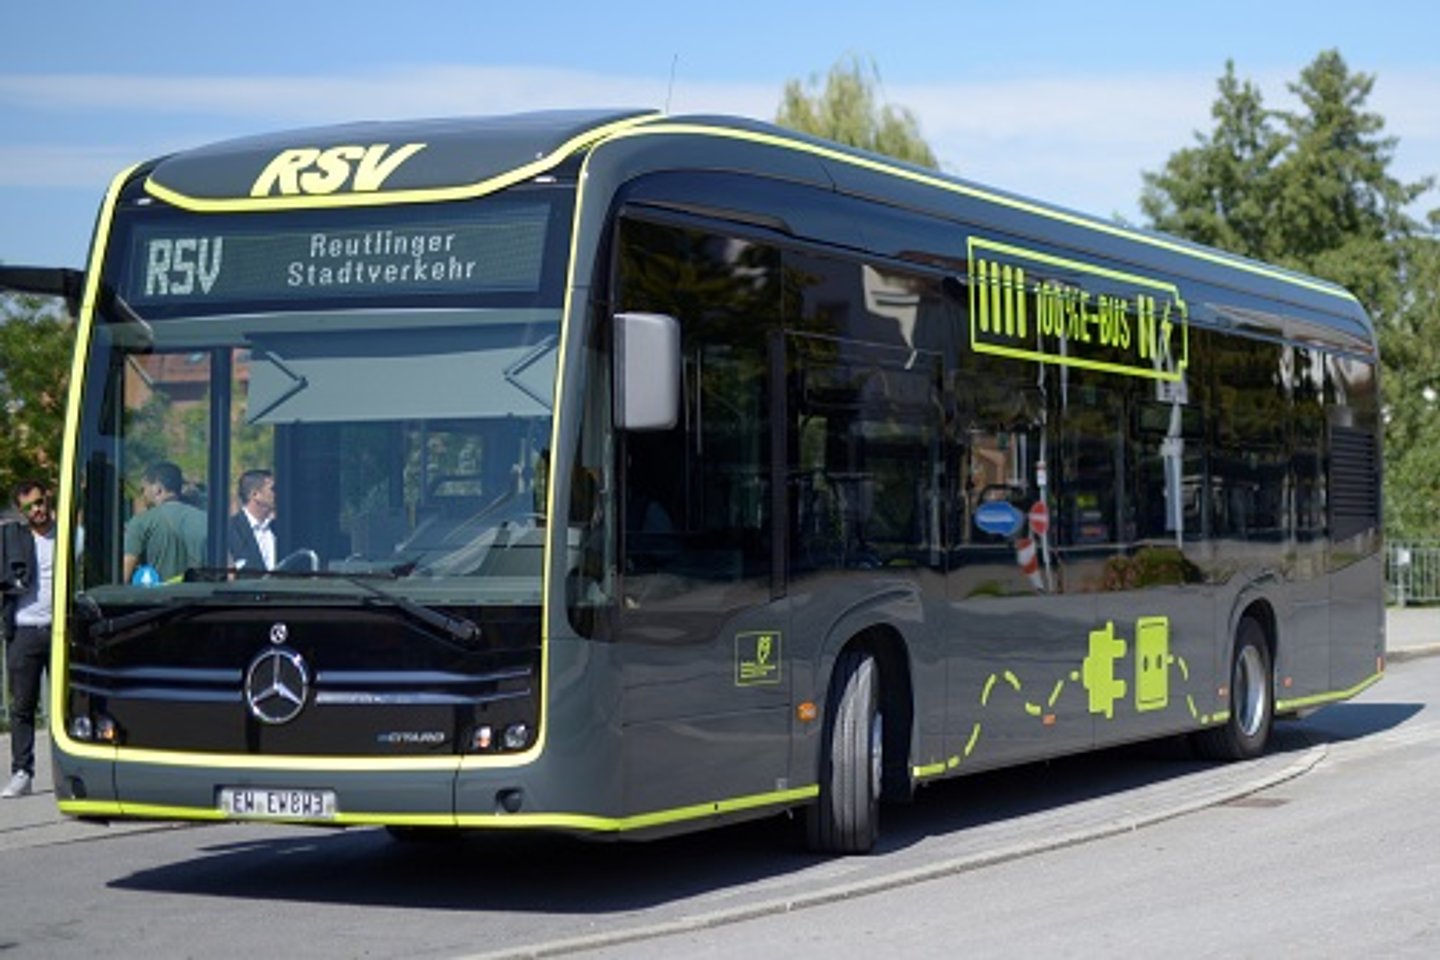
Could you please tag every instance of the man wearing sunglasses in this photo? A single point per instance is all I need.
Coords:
(27, 565)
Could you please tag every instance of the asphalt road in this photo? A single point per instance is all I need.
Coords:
(1342, 861)
(1133, 849)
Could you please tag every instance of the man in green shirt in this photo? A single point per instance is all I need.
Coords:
(170, 535)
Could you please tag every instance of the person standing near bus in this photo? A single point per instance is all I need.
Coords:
(251, 534)
(28, 555)
(170, 535)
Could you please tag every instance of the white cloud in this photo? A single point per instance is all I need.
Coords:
(158, 114)
(1409, 100)
(1079, 141)
(1084, 141)
(428, 91)
(38, 165)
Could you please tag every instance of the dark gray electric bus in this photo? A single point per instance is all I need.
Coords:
(635, 474)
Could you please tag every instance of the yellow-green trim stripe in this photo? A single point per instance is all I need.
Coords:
(641, 821)
(379, 198)
(1231, 261)
(558, 821)
(1300, 703)
(64, 506)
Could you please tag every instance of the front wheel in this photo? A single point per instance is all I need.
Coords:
(846, 818)
(1246, 731)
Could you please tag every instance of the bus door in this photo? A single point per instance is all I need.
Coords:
(866, 511)
(702, 622)
(703, 634)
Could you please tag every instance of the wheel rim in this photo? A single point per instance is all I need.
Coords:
(877, 753)
(1250, 692)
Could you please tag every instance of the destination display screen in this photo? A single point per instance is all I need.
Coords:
(495, 249)
(1030, 305)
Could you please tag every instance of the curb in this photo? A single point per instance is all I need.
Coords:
(1412, 652)
(1112, 826)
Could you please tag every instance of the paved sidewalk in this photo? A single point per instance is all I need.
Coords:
(1409, 632)
(1412, 632)
(36, 810)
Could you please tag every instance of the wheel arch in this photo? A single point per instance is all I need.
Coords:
(1262, 611)
(887, 645)
(1243, 730)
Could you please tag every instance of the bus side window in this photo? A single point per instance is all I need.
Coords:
(698, 504)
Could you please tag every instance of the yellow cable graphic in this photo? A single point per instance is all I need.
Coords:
(1096, 675)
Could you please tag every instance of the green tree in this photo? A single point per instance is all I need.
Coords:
(1410, 347)
(1339, 213)
(1311, 189)
(846, 110)
(1221, 191)
(36, 337)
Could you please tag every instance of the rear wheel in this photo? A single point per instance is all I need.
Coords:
(846, 818)
(1246, 732)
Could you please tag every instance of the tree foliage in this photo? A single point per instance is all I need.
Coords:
(36, 337)
(1219, 191)
(1311, 189)
(1410, 347)
(847, 111)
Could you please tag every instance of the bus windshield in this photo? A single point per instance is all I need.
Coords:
(294, 398)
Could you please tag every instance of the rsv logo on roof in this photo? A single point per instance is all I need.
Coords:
(314, 172)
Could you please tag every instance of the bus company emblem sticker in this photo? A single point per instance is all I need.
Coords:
(757, 658)
(276, 685)
(279, 633)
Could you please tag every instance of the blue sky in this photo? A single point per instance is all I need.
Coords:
(1065, 101)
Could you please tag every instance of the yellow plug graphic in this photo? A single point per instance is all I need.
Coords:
(1099, 670)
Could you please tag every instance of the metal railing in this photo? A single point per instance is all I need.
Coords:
(1412, 571)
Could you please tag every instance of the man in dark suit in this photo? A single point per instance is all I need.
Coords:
(251, 537)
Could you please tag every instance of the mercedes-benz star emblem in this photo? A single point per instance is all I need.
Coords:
(276, 685)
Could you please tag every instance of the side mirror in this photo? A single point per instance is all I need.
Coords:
(46, 282)
(646, 371)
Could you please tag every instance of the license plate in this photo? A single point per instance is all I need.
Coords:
(275, 804)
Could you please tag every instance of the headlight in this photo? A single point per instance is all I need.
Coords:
(81, 728)
(517, 735)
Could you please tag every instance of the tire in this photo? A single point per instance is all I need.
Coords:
(846, 818)
(1246, 732)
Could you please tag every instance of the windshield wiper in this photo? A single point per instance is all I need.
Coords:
(462, 629)
(108, 631)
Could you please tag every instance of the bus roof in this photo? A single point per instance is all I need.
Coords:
(366, 164)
